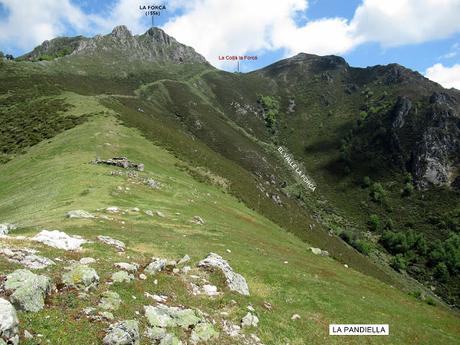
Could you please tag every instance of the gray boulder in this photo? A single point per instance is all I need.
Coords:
(127, 266)
(28, 290)
(122, 277)
(123, 333)
(203, 332)
(164, 316)
(235, 281)
(9, 324)
(110, 301)
(81, 277)
(170, 339)
(155, 266)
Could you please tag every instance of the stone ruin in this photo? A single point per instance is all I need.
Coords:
(121, 162)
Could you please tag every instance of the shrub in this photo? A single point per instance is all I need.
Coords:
(398, 262)
(377, 192)
(441, 272)
(408, 189)
(374, 222)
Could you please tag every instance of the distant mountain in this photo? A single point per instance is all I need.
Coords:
(154, 45)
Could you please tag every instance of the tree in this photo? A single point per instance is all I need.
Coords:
(9, 57)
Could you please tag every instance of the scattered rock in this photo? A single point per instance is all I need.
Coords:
(142, 276)
(112, 209)
(81, 277)
(203, 332)
(197, 220)
(26, 257)
(5, 228)
(127, 266)
(135, 209)
(165, 316)
(345, 265)
(121, 162)
(58, 239)
(28, 335)
(110, 301)
(231, 329)
(318, 251)
(9, 323)
(123, 333)
(153, 184)
(170, 339)
(155, 266)
(184, 260)
(155, 333)
(122, 277)
(27, 290)
(87, 261)
(250, 320)
(119, 245)
(79, 214)
(160, 214)
(210, 290)
(295, 317)
(235, 281)
(149, 213)
(186, 269)
(267, 306)
(157, 298)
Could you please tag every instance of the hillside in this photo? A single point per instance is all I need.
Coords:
(214, 181)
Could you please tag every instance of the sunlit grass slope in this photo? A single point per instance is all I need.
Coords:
(53, 177)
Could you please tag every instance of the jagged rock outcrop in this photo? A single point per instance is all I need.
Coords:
(123, 333)
(427, 144)
(152, 46)
(59, 239)
(9, 323)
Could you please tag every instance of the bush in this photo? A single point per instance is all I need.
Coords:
(441, 272)
(374, 222)
(271, 107)
(377, 192)
(408, 189)
(398, 262)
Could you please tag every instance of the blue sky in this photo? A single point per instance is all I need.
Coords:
(423, 35)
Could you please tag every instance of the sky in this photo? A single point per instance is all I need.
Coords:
(423, 35)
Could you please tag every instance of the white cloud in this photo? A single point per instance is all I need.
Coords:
(30, 22)
(446, 76)
(397, 22)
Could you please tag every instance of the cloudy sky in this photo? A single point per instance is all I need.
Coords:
(421, 34)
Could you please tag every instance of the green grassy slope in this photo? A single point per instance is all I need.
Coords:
(38, 187)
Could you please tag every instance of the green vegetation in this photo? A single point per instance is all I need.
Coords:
(271, 108)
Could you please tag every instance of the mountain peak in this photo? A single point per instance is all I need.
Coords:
(121, 31)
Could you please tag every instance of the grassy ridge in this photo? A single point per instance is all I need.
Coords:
(37, 188)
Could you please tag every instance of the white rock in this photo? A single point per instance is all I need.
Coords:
(119, 245)
(112, 209)
(210, 290)
(6, 227)
(59, 239)
(135, 209)
(149, 213)
(197, 220)
(9, 324)
(250, 320)
(142, 276)
(345, 265)
(87, 261)
(26, 257)
(295, 317)
(251, 308)
(184, 260)
(160, 214)
(79, 214)
(127, 266)
(235, 281)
